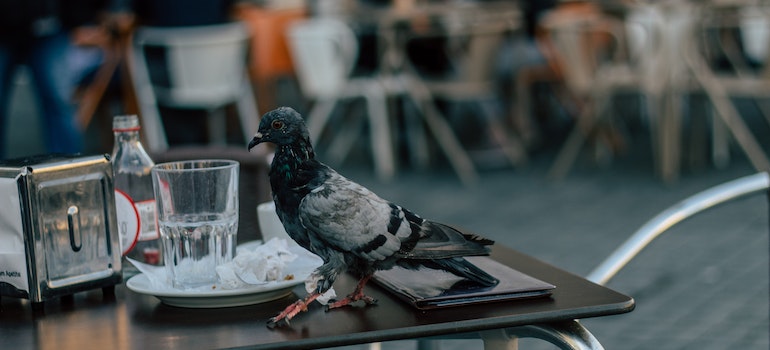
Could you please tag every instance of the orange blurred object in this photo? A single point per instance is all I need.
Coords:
(270, 58)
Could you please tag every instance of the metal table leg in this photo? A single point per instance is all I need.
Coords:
(566, 335)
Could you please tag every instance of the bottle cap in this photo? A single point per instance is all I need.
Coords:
(128, 122)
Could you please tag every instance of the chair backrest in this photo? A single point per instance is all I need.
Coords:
(477, 45)
(324, 51)
(697, 203)
(567, 46)
(644, 31)
(755, 32)
(205, 64)
(586, 45)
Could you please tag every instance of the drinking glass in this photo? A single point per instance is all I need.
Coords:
(197, 209)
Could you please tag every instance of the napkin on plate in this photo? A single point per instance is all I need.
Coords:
(260, 265)
(254, 264)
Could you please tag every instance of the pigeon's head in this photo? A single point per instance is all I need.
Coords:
(282, 126)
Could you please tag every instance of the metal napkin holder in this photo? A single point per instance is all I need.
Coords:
(58, 227)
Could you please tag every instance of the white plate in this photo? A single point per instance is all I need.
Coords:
(215, 298)
(300, 268)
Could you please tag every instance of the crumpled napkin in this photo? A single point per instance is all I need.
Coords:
(260, 265)
(155, 274)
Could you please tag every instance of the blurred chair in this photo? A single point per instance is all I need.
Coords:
(324, 52)
(206, 69)
(99, 93)
(741, 35)
(401, 78)
(588, 52)
(472, 49)
(695, 204)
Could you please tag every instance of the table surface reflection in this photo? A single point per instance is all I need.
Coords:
(127, 320)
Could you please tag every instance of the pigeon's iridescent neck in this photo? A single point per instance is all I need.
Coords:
(289, 157)
(298, 151)
(286, 176)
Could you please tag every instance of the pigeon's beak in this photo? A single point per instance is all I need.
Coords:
(256, 140)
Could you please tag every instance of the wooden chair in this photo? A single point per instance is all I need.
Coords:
(588, 51)
(471, 50)
(721, 86)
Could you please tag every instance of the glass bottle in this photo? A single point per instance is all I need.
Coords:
(135, 200)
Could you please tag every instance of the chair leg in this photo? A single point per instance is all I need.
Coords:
(720, 145)
(248, 111)
(318, 118)
(764, 108)
(343, 141)
(567, 155)
(651, 108)
(732, 120)
(511, 145)
(725, 109)
(571, 148)
(217, 129)
(443, 133)
(670, 138)
(590, 115)
(415, 137)
(94, 92)
(379, 126)
(152, 126)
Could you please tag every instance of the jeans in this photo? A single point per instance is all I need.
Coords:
(54, 82)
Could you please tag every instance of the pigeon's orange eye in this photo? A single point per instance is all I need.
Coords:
(277, 124)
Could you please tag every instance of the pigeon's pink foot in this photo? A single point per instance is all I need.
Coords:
(358, 294)
(292, 310)
(351, 299)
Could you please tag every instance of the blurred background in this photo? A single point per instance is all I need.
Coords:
(417, 84)
(554, 127)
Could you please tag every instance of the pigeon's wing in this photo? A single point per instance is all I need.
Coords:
(443, 241)
(349, 217)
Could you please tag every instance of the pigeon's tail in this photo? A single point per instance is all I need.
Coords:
(443, 241)
(465, 269)
(443, 248)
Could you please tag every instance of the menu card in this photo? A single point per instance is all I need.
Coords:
(429, 288)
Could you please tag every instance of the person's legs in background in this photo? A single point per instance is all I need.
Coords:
(8, 60)
(55, 84)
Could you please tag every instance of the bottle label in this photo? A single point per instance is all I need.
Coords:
(147, 220)
(128, 221)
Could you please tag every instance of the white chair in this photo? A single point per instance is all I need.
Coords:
(324, 51)
(206, 67)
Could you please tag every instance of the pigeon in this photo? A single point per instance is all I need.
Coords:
(348, 226)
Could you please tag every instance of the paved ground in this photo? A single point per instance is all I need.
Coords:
(704, 285)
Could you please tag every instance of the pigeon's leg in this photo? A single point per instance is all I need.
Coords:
(292, 310)
(358, 294)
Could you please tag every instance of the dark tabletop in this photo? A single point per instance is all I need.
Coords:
(129, 320)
